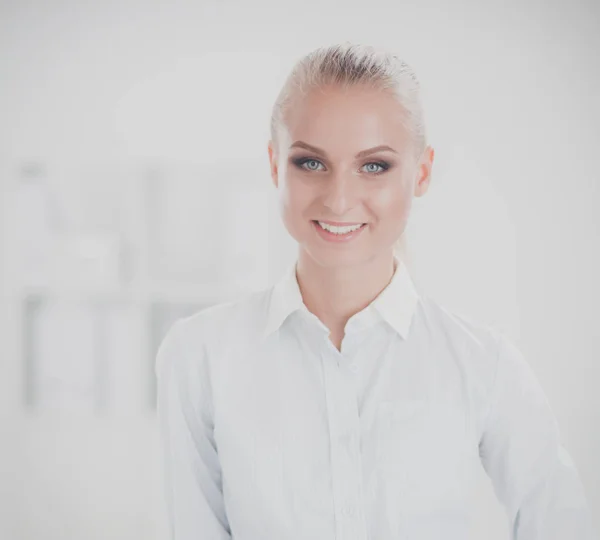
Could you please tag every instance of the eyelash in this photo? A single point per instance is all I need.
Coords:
(299, 162)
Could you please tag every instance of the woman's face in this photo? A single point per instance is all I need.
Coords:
(325, 170)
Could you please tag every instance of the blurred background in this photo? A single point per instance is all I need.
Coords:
(135, 188)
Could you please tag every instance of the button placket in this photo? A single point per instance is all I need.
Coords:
(349, 510)
(347, 443)
(344, 421)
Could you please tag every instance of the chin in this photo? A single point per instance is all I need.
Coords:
(335, 258)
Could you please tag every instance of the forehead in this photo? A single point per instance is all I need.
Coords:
(347, 120)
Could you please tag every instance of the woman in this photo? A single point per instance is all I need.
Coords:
(341, 402)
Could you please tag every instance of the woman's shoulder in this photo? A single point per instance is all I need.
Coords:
(465, 343)
(233, 320)
(459, 328)
(215, 328)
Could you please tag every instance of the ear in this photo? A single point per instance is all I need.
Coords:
(273, 164)
(424, 172)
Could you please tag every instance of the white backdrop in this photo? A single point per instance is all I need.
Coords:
(508, 232)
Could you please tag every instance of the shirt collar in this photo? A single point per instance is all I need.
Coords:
(395, 304)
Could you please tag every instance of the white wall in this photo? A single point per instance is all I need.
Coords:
(508, 232)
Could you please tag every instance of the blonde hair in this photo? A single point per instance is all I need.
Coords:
(351, 64)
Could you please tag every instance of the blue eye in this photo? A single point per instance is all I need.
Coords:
(383, 166)
(301, 162)
(304, 161)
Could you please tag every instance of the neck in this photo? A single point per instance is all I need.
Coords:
(336, 294)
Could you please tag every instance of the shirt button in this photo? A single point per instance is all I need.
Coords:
(350, 447)
(348, 510)
(353, 367)
(347, 441)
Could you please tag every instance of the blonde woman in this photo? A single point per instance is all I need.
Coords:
(343, 403)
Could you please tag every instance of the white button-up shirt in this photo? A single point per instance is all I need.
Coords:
(270, 433)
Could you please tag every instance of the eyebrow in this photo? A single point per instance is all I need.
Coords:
(361, 154)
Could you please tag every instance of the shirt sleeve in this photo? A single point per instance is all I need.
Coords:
(191, 470)
(532, 474)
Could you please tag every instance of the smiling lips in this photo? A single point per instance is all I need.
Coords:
(338, 232)
(338, 223)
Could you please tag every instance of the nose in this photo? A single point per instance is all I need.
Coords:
(340, 195)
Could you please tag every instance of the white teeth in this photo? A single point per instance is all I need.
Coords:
(339, 230)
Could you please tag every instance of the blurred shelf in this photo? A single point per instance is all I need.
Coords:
(101, 260)
(156, 292)
(77, 293)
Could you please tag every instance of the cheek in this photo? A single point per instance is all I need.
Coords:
(391, 204)
(295, 199)
(295, 203)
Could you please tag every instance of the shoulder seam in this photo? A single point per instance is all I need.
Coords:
(204, 366)
(493, 391)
